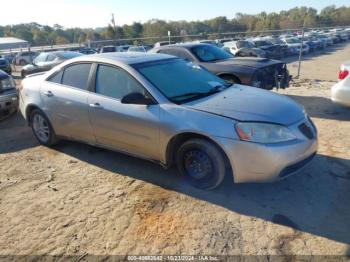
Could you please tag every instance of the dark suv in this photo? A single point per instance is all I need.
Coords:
(8, 95)
(5, 65)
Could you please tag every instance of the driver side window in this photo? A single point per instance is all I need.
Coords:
(115, 83)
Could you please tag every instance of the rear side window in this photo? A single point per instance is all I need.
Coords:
(56, 78)
(77, 76)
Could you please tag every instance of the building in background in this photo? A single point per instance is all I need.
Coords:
(12, 43)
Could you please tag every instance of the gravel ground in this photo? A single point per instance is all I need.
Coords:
(75, 199)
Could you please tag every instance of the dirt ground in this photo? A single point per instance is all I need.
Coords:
(75, 199)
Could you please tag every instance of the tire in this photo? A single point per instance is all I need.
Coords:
(202, 163)
(230, 79)
(42, 128)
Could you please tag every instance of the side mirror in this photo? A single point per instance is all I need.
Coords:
(137, 99)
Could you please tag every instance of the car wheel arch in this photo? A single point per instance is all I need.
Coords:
(176, 141)
(227, 75)
(29, 109)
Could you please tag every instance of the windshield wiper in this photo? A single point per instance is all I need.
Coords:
(214, 90)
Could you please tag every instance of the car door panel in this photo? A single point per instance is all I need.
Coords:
(67, 109)
(67, 105)
(130, 128)
(125, 127)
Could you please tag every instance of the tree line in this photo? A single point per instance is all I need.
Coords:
(38, 34)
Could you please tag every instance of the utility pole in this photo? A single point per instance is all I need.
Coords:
(302, 44)
(114, 27)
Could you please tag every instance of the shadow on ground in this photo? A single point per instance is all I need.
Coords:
(315, 201)
(321, 107)
(15, 135)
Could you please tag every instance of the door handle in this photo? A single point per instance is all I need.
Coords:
(48, 93)
(96, 105)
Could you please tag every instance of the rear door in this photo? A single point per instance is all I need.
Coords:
(126, 127)
(65, 96)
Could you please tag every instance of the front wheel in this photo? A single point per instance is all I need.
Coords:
(202, 163)
(42, 128)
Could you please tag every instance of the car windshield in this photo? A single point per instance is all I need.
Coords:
(181, 81)
(210, 53)
(244, 44)
(6, 83)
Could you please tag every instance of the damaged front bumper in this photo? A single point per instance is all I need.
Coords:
(273, 76)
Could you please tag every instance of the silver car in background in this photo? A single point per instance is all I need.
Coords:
(170, 111)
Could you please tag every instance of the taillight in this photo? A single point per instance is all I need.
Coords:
(343, 74)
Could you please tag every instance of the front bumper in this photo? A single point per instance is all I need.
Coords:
(272, 76)
(257, 163)
(8, 104)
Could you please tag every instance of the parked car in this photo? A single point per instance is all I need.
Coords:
(141, 48)
(170, 111)
(108, 49)
(163, 43)
(272, 51)
(9, 57)
(243, 48)
(294, 45)
(327, 39)
(25, 58)
(46, 61)
(341, 34)
(5, 65)
(277, 41)
(123, 48)
(8, 95)
(258, 72)
(206, 41)
(341, 90)
(87, 51)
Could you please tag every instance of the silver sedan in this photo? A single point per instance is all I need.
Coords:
(170, 111)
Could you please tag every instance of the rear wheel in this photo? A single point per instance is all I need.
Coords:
(202, 163)
(42, 128)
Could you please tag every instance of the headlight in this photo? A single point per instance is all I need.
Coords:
(263, 133)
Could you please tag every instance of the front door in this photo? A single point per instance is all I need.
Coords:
(130, 128)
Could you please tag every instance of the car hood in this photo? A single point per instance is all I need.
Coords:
(244, 103)
(253, 62)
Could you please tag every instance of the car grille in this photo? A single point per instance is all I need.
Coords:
(307, 131)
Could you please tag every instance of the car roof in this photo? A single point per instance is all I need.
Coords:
(125, 57)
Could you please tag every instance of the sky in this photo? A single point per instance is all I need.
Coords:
(97, 13)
